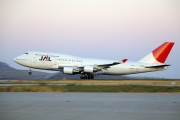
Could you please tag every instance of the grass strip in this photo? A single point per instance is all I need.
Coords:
(95, 82)
(92, 88)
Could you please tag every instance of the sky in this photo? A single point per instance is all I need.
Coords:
(105, 29)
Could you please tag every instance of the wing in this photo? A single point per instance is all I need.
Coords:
(114, 63)
(87, 68)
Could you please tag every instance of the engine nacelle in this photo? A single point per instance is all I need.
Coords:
(90, 69)
(68, 70)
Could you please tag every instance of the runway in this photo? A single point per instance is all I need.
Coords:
(89, 106)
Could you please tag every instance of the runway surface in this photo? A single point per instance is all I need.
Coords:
(89, 106)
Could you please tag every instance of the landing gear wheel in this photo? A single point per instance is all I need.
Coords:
(85, 77)
(92, 77)
(29, 73)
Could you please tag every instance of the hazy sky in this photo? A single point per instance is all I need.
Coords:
(107, 29)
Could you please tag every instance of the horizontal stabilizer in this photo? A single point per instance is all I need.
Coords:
(157, 66)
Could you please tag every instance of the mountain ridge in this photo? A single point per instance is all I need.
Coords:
(5, 66)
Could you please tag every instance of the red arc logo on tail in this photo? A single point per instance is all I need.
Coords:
(162, 52)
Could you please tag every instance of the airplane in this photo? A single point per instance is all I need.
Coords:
(89, 67)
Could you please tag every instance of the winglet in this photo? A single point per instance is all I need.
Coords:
(120, 62)
(124, 60)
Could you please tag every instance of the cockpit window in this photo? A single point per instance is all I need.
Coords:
(26, 53)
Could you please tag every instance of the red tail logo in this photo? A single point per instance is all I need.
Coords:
(162, 52)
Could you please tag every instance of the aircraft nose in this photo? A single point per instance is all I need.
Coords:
(19, 59)
(15, 59)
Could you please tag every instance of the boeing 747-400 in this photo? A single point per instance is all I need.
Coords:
(89, 67)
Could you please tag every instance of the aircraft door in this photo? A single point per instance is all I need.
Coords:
(132, 69)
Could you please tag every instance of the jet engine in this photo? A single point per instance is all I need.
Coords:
(90, 69)
(68, 70)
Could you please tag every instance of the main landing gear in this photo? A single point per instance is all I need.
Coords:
(29, 71)
(87, 76)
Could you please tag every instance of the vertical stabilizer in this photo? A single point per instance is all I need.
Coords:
(159, 55)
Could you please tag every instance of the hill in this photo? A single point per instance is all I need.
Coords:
(4, 66)
(8, 73)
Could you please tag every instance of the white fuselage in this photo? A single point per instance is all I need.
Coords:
(53, 61)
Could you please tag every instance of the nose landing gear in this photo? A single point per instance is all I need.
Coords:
(29, 71)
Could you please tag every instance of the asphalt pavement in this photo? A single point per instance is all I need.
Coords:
(89, 106)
